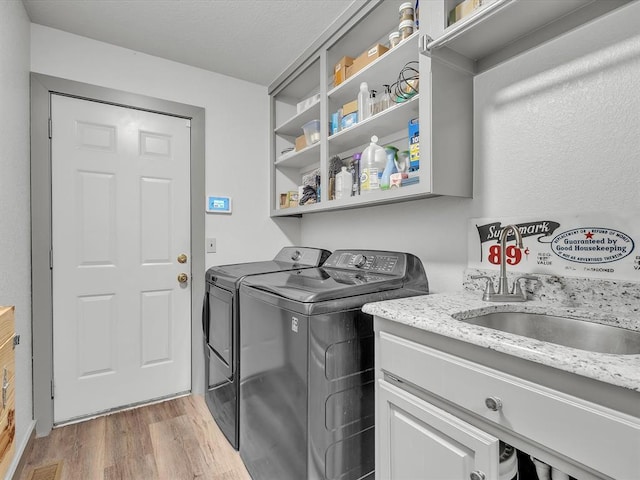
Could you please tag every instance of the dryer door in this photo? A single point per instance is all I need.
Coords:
(220, 334)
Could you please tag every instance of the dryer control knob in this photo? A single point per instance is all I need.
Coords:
(359, 261)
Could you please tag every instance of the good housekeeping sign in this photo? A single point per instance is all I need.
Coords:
(594, 245)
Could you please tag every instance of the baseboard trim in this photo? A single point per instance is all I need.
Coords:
(22, 453)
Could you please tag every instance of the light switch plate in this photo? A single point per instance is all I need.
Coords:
(211, 245)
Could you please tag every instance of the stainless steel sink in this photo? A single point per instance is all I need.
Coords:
(569, 332)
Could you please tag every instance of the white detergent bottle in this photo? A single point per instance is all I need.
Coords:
(343, 184)
(363, 102)
(371, 166)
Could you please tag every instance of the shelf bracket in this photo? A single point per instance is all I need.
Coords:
(424, 42)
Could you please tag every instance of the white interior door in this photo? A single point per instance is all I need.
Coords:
(120, 207)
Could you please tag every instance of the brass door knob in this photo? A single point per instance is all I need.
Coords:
(183, 277)
(182, 258)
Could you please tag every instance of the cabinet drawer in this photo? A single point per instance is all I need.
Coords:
(7, 359)
(6, 323)
(601, 438)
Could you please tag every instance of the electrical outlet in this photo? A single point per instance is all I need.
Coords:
(211, 245)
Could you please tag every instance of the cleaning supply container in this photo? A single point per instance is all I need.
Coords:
(508, 466)
(390, 167)
(363, 102)
(372, 164)
(343, 184)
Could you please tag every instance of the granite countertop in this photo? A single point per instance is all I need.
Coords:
(440, 314)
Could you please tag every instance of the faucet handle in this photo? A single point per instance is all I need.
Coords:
(517, 289)
(488, 289)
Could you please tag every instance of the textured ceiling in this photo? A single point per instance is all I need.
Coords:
(253, 40)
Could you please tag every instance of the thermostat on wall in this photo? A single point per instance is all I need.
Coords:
(217, 204)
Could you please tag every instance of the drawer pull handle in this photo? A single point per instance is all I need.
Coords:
(477, 475)
(493, 403)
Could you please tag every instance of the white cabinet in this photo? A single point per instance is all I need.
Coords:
(444, 107)
(421, 441)
(425, 391)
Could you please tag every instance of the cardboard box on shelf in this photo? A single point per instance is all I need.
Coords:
(464, 9)
(365, 59)
(350, 107)
(340, 70)
(301, 142)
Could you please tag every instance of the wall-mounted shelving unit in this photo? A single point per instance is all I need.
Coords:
(447, 58)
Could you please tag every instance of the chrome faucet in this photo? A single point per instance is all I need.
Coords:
(503, 294)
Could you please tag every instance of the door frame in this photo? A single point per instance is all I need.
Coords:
(42, 86)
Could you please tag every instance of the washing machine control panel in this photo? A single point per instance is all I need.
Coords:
(370, 261)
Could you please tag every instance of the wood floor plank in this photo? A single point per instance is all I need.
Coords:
(126, 432)
(172, 440)
(85, 450)
(172, 450)
(218, 452)
(133, 467)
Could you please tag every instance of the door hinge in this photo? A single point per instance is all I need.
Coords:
(50, 128)
(52, 389)
(16, 341)
(51, 259)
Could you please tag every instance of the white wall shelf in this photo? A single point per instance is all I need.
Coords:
(389, 120)
(293, 126)
(504, 28)
(302, 158)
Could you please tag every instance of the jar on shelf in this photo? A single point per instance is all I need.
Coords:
(406, 29)
(394, 39)
(406, 11)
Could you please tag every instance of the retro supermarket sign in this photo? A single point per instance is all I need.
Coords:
(598, 245)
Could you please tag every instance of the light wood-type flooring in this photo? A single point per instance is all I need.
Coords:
(173, 440)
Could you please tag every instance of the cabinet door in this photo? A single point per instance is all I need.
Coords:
(416, 440)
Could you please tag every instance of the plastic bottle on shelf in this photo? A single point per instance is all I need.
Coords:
(389, 168)
(343, 184)
(372, 165)
(385, 99)
(363, 102)
(373, 103)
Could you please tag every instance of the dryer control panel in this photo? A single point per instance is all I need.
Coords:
(391, 263)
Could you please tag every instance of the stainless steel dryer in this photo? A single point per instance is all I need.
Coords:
(220, 326)
(307, 364)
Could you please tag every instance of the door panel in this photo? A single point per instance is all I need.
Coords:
(120, 208)
(420, 441)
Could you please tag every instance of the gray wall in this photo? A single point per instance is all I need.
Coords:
(15, 233)
(556, 130)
